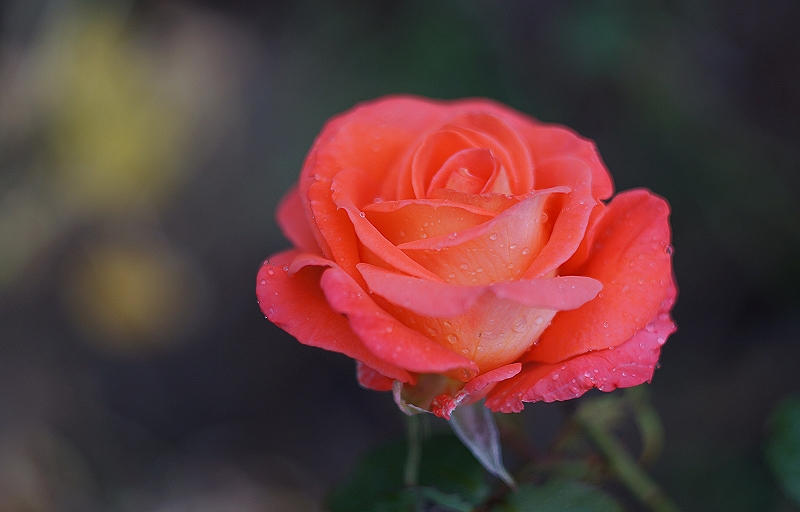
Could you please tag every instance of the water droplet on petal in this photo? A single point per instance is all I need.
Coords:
(452, 338)
(493, 236)
(362, 214)
(520, 324)
(271, 271)
(263, 281)
(555, 376)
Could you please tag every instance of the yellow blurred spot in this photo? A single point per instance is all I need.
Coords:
(119, 132)
(132, 300)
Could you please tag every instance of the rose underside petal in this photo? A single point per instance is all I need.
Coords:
(499, 250)
(406, 221)
(629, 364)
(631, 259)
(296, 304)
(384, 335)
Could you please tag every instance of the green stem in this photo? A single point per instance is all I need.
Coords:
(626, 468)
(414, 438)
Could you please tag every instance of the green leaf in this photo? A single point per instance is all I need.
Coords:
(782, 450)
(449, 476)
(559, 496)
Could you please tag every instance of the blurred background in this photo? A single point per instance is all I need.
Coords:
(144, 146)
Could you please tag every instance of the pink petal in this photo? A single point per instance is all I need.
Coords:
(429, 298)
(629, 364)
(296, 304)
(559, 293)
(631, 258)
(383, 334)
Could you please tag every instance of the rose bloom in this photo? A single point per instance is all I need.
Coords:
(461, 250)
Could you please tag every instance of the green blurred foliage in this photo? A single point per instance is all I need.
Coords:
(782, 448)
(455, 478)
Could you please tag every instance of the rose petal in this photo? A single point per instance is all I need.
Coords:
(296, 304)
(488, 129)
(291, 217)
(629, 364)
(499, 250)
(383, 335)
(630, 257)
(467, 171)
(435, 299)
(558, 293)
(372, 379)
(569, 218)
(549, 141)
(409, 220)
(429, 298)
(495, 203)
(368, 235)
(474, 390)
(431, 155)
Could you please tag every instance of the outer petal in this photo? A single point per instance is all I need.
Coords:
(629, 364)
(296, 304)
(291, 217)
(631, 258)
(384, 335)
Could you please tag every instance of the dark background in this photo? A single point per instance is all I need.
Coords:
(144, 146)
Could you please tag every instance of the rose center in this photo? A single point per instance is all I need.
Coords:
(469, 170)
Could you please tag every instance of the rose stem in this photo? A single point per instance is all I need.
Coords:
(626, 468)
(414, 439)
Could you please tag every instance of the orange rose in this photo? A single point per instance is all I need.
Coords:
(461, 250)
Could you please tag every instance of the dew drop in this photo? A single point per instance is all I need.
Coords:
(452, 235)
(493, 236)
(451, 276)
(661, 340)
(544, 217)
(263, 281)
(538, 320)
(465, 351)
(464, 266)
(520, 324)
(271, 271)
(555, 376)
(605, 325)
(362, 214)
(525, 250)
(452, 338)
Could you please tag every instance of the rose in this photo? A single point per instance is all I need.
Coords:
(461, 250)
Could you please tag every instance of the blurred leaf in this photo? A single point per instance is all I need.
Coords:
(783, 446)
(559, 495)
(449, 476)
